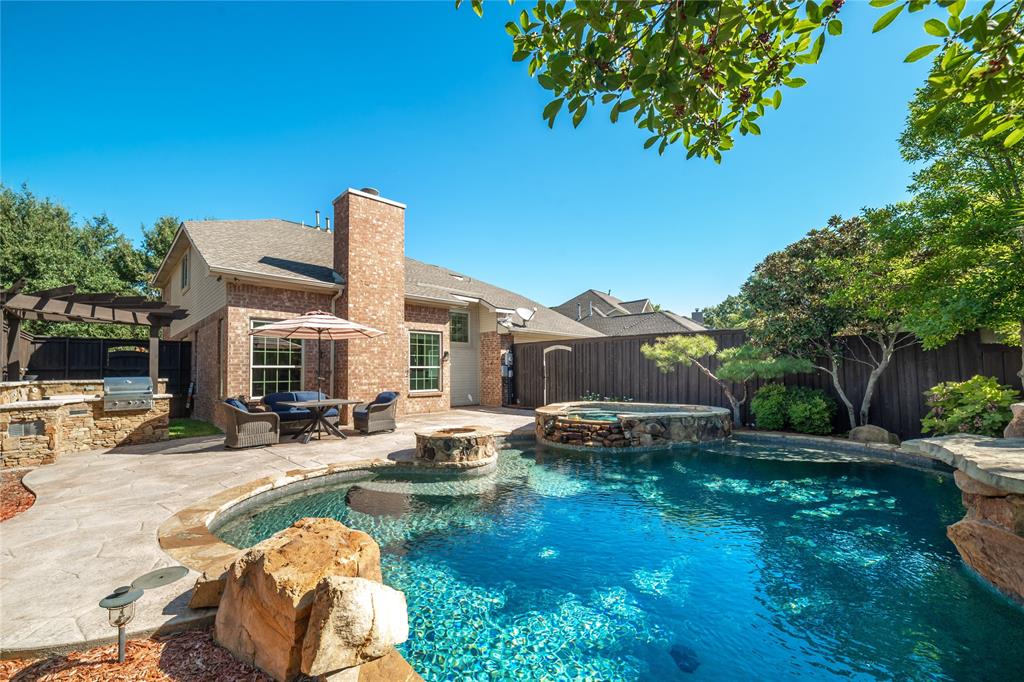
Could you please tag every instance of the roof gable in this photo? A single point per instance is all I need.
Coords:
(304, 256)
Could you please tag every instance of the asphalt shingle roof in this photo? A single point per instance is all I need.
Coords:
(285, 249)
(661, 322)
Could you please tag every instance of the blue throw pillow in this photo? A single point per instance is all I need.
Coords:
(235, 402)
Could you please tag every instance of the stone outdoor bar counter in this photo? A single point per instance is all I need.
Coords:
(629, 425)
(465, 447)
(41, 420)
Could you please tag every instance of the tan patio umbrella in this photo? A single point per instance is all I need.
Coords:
(319, 325)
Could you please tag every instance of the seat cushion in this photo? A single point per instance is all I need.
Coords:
(235, 402)
(385, 397)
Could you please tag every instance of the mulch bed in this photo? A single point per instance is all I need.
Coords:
(14, 496)
(190, 656)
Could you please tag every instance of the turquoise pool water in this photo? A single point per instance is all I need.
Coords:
(723, 563)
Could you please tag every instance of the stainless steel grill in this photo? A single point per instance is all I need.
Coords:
(127, 393)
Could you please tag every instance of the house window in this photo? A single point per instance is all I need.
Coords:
(424, 361)
(459, 326)
(184, 271)
(275, 364)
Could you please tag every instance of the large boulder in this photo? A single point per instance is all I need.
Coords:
(1015, 429)
(869, 433)
(269, 591)
(353, 621)
(994, 552)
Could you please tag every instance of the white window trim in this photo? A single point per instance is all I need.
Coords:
(440, 361)
(469, 327)
(252, 354)
(185, 278)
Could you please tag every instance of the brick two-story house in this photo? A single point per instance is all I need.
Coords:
(445, 333)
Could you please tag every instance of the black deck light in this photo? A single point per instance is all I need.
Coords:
(120, 604)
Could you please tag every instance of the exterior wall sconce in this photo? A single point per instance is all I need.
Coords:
(444, 358)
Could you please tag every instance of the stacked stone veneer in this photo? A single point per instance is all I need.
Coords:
(639, 428)
(71, 426)
(465, 447)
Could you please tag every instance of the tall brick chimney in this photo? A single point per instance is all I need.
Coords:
(369, 254)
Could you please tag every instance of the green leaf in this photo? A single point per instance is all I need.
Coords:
(628, 104)
(813, 11)
(819, 45)
(651, 140)
(614, 115)
(936, 28)
(920, 52)
(794, 82)
(512, 29)
(1014, 137)
(835, 27)
(957, 7)
(1001, 128)
(478, 7)
(881, 3)
(887, 18)
(777, 99)
(578, 115)
(552, 109)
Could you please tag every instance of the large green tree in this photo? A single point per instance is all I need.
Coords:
(819, 299)
(957, 247)
(41, 242)
(734, 312)
(701, 72)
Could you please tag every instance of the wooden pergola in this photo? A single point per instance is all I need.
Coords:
(64, 304)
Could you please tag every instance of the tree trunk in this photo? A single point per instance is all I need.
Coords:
(735, 404)
(833, 371)
(1021, 372)
(869, 391)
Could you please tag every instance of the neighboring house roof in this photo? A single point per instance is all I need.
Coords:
(288, 251)
(660, 322)
(641, 305)
(602, 304)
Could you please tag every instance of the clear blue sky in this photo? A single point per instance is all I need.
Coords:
(267, 110)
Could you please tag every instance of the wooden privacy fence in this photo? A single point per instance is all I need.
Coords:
(614, 367)
(62, 357)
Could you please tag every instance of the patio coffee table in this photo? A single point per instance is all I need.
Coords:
(319, 408)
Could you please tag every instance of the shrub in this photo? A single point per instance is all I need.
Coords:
(811, 411)
(979, 405)
(806, 410)
(770, 407)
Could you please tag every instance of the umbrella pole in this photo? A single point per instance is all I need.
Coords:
(319, 335)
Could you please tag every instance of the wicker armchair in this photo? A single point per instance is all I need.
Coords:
(245, 429)
(378, 415)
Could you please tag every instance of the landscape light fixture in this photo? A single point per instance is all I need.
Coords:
(120, 604)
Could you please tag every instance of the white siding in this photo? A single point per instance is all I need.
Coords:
(204, 295)
(465, 363)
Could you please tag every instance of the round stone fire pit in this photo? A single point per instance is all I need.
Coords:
(463, 447)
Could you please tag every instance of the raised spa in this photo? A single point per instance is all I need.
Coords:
(629, 425)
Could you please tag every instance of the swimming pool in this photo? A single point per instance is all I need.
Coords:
(723, 562)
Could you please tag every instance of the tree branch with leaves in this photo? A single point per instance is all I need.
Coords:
(738, 365)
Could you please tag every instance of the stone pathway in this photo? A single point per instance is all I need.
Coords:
(93, 526)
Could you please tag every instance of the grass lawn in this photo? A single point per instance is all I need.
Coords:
(190, 428)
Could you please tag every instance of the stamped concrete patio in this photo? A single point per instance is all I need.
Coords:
(93, 526)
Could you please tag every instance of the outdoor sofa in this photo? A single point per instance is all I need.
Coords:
(245, 429)
(295, 418)
(378, 415)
